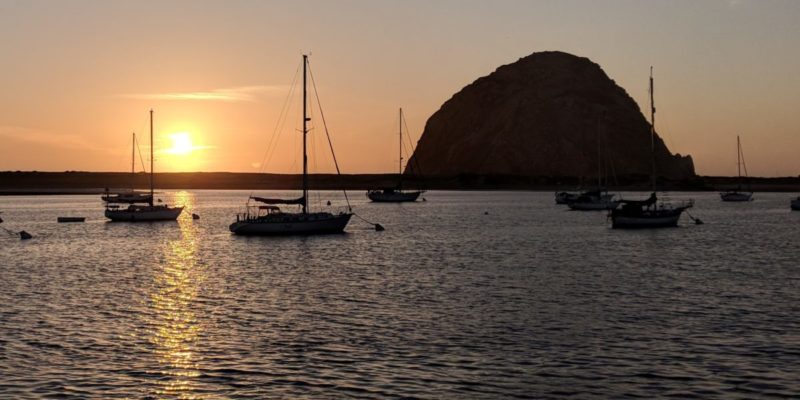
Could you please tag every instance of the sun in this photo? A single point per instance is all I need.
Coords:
(181, 143)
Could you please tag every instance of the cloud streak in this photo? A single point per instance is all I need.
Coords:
(234, 94)
(40, 137)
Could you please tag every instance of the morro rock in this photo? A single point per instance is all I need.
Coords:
(550, 114)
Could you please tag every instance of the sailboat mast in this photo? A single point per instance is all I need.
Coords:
(305, 133)
(739, 158)
(133, 161)
(652, 133)
(151, 158)
(400, 169)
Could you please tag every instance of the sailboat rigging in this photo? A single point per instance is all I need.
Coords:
(269, 219)
(649, 213)
(395, 194)
(737, 194)
(141, 206)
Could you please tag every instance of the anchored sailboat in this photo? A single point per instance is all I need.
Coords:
(598, 199)
(129, 196)
(141, 208)
(737, 194)
(269, 219)
(395, 194)
(649, 213)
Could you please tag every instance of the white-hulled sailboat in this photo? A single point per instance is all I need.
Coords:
(649, 213)
(737, 194)
(141, 208)
(270, 220)
(395, 194)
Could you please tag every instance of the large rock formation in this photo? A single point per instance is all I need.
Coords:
(545, 115)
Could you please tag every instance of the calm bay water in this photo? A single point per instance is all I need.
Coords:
(467, 295)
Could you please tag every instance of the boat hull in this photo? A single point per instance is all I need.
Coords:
(71, 219)
(736, 196)
(566, 197)
(396, 197)
(796, 204)
(653, 219)
(144, 214)
(292, 224)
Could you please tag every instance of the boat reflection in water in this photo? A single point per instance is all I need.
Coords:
(174, 327)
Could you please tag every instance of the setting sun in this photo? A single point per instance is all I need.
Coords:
(181, 143)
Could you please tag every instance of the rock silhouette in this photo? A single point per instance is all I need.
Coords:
(542, 116)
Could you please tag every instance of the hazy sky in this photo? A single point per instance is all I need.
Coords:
(78, 77)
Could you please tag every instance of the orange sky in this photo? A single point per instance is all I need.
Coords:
(78, 77)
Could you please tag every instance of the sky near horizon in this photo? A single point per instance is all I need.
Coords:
(79, 76)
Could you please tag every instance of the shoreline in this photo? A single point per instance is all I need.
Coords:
(22, 183)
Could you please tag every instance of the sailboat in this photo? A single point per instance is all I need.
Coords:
(130, 196)
(649, 213)
(269, 219)
(395, 194)
(143, 209)
(737, 194)
(598, 199)
(564, 197)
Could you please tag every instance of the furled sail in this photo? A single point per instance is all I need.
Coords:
(299, 201)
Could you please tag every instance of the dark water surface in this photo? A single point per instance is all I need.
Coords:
(526, 301)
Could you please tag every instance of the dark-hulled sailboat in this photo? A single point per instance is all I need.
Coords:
(269, 220)
(395, 194)
(737, 194)
(649, 213)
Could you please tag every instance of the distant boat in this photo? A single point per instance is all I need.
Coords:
(395, 194)
(128, 196)
(737, 194)
(649, 213)
(142, 208)
(71, 219)
(598, 199)
(566, 197)
(594, 200)
(269, 219)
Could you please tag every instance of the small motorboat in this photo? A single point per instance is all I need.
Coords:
(71, 219)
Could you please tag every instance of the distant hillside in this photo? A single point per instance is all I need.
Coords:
(542, 116)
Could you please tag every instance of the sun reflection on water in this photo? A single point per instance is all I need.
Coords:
(175, 329)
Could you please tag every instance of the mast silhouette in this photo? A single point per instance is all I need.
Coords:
(151, 158)
(739, 161)
(652, 133)
(400, 169)
(305, 133)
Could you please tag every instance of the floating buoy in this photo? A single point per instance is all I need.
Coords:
(379, 228)
(329, 202)
(485, 213)
(195, 216)
(24, 235)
